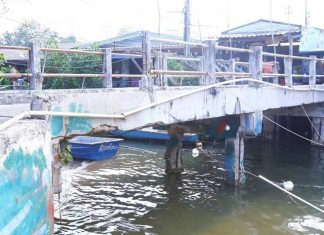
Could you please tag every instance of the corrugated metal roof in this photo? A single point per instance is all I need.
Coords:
(261, 28)
(134, 40)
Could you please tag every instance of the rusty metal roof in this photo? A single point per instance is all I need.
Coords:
(261, 28)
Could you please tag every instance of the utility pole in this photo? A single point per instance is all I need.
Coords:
(306, 13)
(186, 30)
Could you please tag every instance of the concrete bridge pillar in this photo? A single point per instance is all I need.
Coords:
(36, 81)
(234, 158)
(173, 153)
(318, 133)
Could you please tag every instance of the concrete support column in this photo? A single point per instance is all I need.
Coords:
(173, 153)
(161, 63)
(269, 128)
(318, 123)
(209, 63)
(107, 68)
(147, 61)
(312, 71)
(234, 158)
(255, 64)
(288, 71)
(56, 168)
(36, 81)
(124, 70)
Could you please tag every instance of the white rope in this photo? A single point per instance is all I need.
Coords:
(290, 131)
(311, 122)
(291, 194)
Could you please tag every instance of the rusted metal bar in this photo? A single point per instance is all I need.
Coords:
(180, 42)
(285, 56)
(127, 55)
(15, 75)
(88, 75)
(183, 58)
(233, 74)
(127, 75)
(232, 49)
(173, 72)
(72, 51)
(14, 48)
(274, 75)
(74, 75)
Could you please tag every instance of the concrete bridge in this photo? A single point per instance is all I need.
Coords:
(241, 99)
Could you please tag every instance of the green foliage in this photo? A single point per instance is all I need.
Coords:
(75, 64)
(30, 31)
(180, 66)
(175, 65)
(66, 156)
(3, 81)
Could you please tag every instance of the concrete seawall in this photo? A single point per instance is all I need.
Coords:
(26, 196)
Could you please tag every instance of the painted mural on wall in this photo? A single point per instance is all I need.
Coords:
(25, 180)
(70, 125)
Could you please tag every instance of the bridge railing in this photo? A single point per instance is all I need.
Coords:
(154, 67)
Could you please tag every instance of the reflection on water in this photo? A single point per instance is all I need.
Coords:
(132, 195)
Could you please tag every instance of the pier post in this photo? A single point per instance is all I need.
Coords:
(234, 157)
(288, 71)
(173, 153)
(36, 81)
(231, 68)
(255, 64)
(107, 68)
(209, 63)
(318, 133)
(312, 71)
(147, 61)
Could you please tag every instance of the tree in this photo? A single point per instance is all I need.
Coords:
(3, 81)
(30, 31)
(73, 63)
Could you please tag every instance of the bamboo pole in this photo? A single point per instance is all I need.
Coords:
(15, 75)
(72, 51)
(14, 48)
(232, 49)
(174, 72)
(180, 42)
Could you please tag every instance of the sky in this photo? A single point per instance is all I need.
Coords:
(94, 20)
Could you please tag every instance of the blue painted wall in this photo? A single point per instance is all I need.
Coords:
(24, 193)
(74, 124)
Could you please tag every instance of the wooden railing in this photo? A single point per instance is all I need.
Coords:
(154, 69)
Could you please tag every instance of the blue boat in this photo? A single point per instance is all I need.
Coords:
(153, 134)
(94, 148)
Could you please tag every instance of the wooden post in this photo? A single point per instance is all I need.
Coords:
(147, 60)
(36, 80)
(165, 67)
(239, 158)
(173, 152)
(158, 66)
(288, 71)
(255, 63)
(275, 71)
(107, 68)
(209, 63)
(231, 68)
(312, 71)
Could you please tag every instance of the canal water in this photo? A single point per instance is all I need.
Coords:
(131, 194)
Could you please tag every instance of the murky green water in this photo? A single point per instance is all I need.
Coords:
(132, 195)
